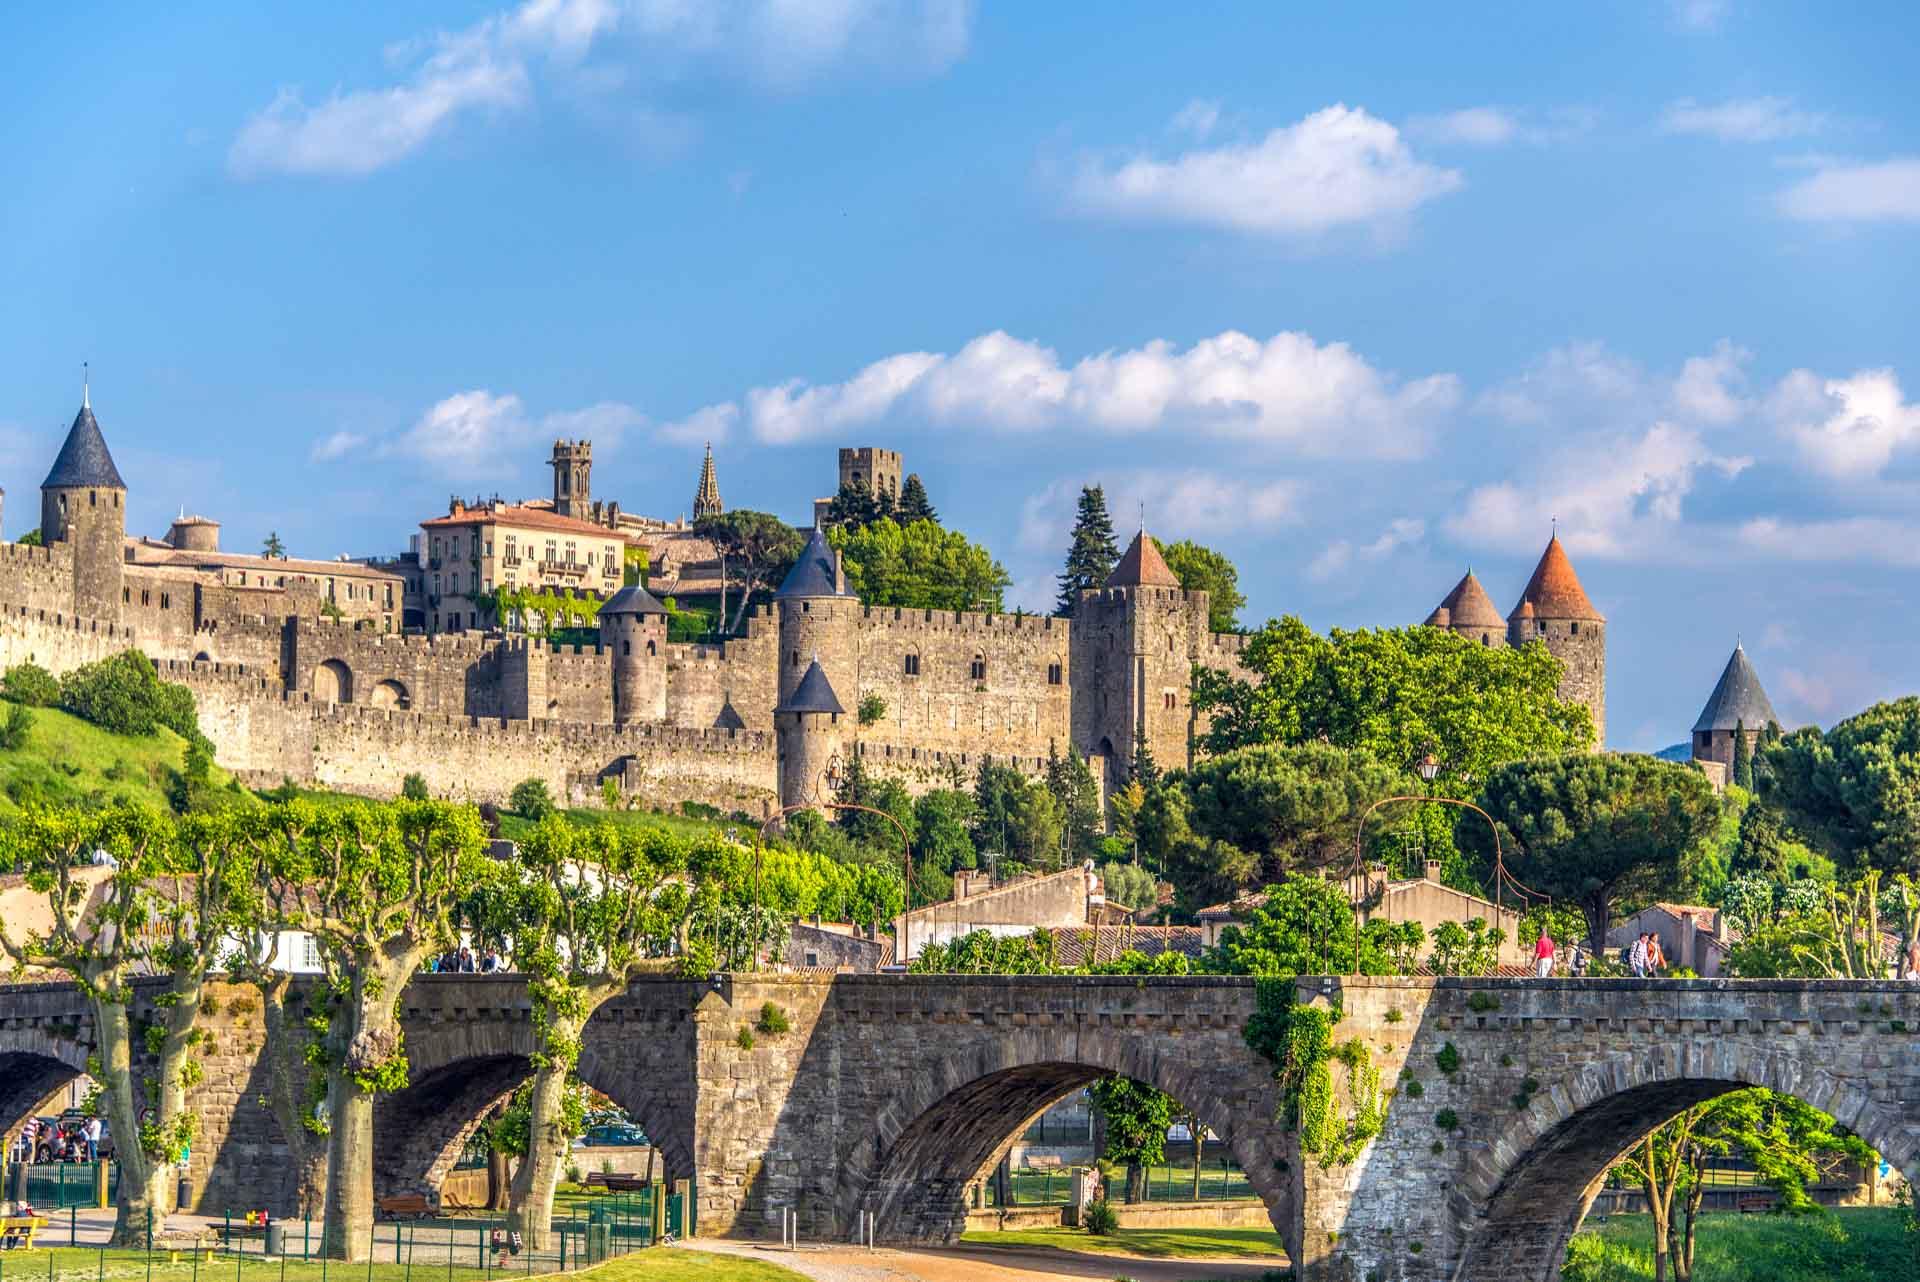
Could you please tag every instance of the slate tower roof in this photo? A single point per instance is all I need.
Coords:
(815, 573)
(631, 600)
(83, 462)
(1738, 700)
(813, 694)
(1141, 565)
(1554, 591)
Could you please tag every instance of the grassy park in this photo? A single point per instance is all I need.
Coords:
(1854, 1244)
(1158, 1244)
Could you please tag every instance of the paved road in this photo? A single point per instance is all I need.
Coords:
(986, 1264)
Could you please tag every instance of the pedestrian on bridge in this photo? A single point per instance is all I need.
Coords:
(1543, 954)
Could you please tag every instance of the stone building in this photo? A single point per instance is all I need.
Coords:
(474, 549)
(1738, 704)
(1065, 900)
(1554, 610)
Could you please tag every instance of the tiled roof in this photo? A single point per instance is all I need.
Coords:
(1737, 700)
(631, 600)
(1084, 945)
(1468, 606)
(814, 573)
(1554, 591)
(526, 517)
(83, 461)
(813, 694)
(1141, 565)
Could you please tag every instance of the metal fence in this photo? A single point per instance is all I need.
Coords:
(1220, 1179)
(63, 1184)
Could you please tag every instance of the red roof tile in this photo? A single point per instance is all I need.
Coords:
(1554, 591)
(528, 517)
(1141, 565)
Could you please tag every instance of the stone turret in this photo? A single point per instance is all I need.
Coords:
(810, 727)
(818, 617)
(83, 504)
(573, 479)
(1469, 611)
(1555, 611)
(633, 628)
(706, 499)
(1738, 704)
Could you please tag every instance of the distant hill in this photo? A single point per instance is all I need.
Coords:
(1681, 752)
(69, 761)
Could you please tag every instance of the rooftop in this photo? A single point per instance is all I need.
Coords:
(813, 694)
(1554, 591)
(83, 461)
(1738, 700)
(1141, 565)
(1467, 606)
(524, 516)
(631, 600)
(816, 573)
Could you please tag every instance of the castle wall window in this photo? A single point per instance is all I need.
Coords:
(93, 498)
(1054, 674)
(145, 597)
(626, 647)
(911, 665)
(796, 658)
(978, 669)
(165, 603)
(1574, 628)
(1171, 700)
(126, 596)
(650, 649)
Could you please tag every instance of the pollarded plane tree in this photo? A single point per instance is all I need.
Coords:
(131, 892)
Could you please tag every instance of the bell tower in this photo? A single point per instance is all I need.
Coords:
(573, 479)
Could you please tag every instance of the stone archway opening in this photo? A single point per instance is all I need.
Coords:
(333, 682)
(27, 1078)
(390, 694)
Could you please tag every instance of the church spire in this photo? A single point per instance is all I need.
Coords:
(706, 500)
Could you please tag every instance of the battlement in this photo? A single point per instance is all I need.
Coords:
(395, 725)
(365, 632)
(1109, 598)
(888, 618)
(127, 637)
(908, 757)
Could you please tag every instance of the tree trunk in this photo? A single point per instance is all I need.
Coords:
(1195, 1130)
(367, 1036)
(531, 1208)
(1136, 1182)
(499, 1175)
(1660, 1205)
(145, 1194)
(287, 1063)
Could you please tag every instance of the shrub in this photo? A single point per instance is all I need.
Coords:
(872, 708)
(413, 788)
(1414, 1090)
(1483, 1002)
(14, 726)
(31, 684)
(1448, 1058)
(1100, 1217)
(530, 799)
(610, 793)
(573, 1172)
(772, 1021)
(745, 1040)
(125, 695)
(1446, 1119)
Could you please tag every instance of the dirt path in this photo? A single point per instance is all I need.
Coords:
(986, 1264)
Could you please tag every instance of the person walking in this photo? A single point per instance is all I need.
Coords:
(1910, 968)
(1543, 951)
(92, 1133)
(1637, 956)
(1656, 955)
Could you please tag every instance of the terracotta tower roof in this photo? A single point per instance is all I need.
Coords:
(1738, 700)
(1554, 591)
(1467, 606)
(1142, 566)
(706, 499)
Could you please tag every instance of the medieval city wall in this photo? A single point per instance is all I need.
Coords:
(161, 610)
(704, 681)
(57, 642)
(40, 578)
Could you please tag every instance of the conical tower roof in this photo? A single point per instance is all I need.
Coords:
(1141, 565)
(813, 694)
(83, 462)
(1739, 699)
(706, 499)
(815, 573)
(1554, 591)
(631, 600)
(1469, 606)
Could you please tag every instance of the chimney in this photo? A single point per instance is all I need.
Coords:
(1432, 870)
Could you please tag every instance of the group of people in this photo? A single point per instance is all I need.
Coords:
(1645, 956)
(60, 1143)
(462, 961)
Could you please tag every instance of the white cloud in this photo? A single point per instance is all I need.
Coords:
(1197, 118)
(1286, 392)
(776, 45)
(1582, 373)
(1181, 504)
(337, 446)
(1707, 390)
(1848, 428)
(1845, 539)
(711, 425)
(1339, 167)
(1338, 556)
(1742, 120)
(1888, 191)
(1701, 15)
(1473, 126)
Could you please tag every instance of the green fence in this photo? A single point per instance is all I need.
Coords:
(1220, 1179)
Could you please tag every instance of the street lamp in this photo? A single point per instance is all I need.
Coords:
(1427, 767)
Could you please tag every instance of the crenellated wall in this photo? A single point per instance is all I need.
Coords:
(56, 641)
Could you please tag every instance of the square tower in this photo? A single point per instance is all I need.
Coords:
(573, 479)
(877, 469)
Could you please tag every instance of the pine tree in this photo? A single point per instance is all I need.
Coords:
(1742, 757)
(856, 506)
(1091, 556)
(1146, 771)
(913, 503)
(273, 549)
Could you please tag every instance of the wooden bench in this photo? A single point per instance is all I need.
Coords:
(1756, 1202)
(193, 1245)
(18, 1231)
(615, 1181)
(406, 1206)
(1044, 1162)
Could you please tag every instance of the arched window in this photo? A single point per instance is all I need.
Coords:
(650, 649)
(1054, 673)
(910, 664)
(978, 669)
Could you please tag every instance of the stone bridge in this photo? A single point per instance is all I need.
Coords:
(891, 1093)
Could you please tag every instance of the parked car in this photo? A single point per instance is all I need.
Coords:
(614, 1135)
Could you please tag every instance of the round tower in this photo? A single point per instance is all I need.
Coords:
(810, 727)
(83, 506)
(633, 629)
(1555, 611)
(818, 619)
(1470, 612)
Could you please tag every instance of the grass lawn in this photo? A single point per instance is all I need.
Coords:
(69, 760)
(1159, 1244)
(1853, 1244)
(79, 1264)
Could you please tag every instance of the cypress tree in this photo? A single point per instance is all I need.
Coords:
(913, 503)
(1742, 757)
(1146, 771)
(856, 507)
(1092, 553)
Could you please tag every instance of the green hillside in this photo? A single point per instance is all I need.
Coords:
(67, 760)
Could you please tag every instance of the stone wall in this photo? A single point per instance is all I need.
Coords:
(1018, 705)
(40, 578)
(730, 685)
(57, 642)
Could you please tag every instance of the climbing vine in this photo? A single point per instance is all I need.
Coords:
(1298, 1040)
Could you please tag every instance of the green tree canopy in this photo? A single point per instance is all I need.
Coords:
(1303, 926)
(1593, 830)
(1091, 552)
(914, 504)
(1201, 569)
(920, 566)
(757, 549)
(1853, 793)
(1290, 807)
(855, 506)
(1393, 694)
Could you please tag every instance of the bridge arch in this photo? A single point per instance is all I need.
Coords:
(35, 1061)
(910, 1166)
(1520, 1212)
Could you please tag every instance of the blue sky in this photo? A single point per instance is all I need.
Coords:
(1359, 296)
